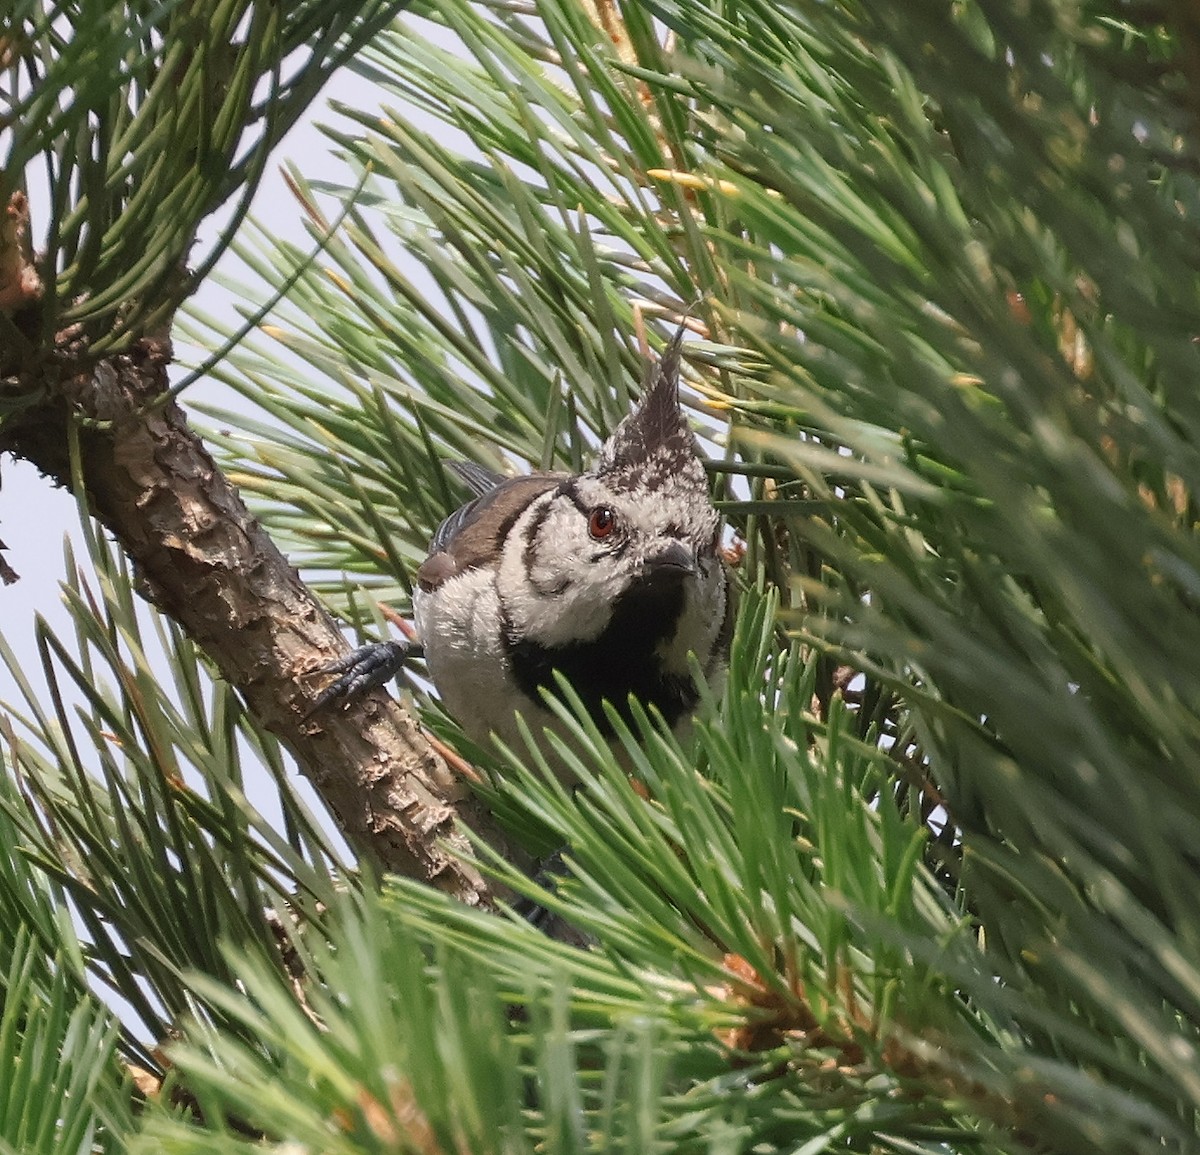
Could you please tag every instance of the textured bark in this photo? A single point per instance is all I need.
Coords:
(205, 561)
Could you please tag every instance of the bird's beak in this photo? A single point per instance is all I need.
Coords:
(673, 562)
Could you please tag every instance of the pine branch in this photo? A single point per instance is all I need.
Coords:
(208, 563)
(84, 385)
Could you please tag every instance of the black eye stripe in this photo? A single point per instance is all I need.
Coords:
(532, 533)
(570, 490)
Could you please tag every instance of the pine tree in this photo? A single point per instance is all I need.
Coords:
(923, 880)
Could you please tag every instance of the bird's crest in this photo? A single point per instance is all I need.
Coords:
(653, 443)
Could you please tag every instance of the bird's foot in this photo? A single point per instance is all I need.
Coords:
(550, 871)
(361, 670)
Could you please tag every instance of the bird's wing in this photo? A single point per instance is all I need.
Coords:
(480, 481)
(473, 535)
(477, 478)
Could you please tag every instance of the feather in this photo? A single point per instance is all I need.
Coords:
(473, 534)
(477, 478)
(654, 444)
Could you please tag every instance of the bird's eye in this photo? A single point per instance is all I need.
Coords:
(601, 522)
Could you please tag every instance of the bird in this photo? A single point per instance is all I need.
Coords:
(613, 577)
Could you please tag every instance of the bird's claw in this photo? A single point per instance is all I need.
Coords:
(550, 870)
(361, 670)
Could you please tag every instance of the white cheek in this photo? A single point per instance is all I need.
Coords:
(569, 600)
(555, 592)
(586, 605)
